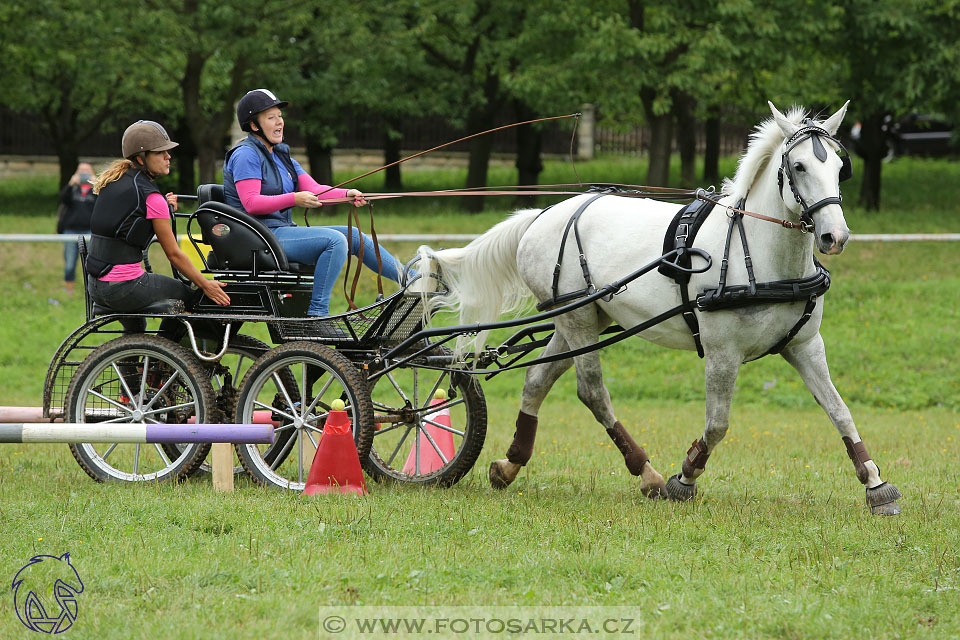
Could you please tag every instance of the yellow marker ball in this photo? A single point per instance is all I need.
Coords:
(440, 394)
(337, 405)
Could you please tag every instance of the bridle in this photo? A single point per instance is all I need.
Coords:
(814, 133)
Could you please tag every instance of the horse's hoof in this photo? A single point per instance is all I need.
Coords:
(655, 492)
(680, 491)
(652, 485)
(882, 500)
(503, 473)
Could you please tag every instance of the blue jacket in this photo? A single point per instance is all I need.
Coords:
(271, 182)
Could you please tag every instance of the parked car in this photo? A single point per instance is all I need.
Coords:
(916, 134)
(922, 135)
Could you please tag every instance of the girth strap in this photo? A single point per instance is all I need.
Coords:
(574, 222)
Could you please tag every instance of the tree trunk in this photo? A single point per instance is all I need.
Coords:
(711, 151)
(529, 146)
(69, 159)
(661, 140)
(392, 149)
(185, 155)
(872, 148)
(480, 119)
(320, 157)
(207, 163)
(683, 108)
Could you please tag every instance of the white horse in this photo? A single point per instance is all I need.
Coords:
(516, 258)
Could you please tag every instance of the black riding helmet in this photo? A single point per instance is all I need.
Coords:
(253, 103)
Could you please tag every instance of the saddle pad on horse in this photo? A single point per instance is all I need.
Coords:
(681, 233)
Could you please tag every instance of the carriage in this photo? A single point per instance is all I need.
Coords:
(397, 375)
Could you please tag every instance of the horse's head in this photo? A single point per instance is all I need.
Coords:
(812, 165)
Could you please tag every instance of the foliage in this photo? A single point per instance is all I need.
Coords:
(72, 64)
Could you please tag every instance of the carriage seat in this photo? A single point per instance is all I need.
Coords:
(158, 307)
(239, 241)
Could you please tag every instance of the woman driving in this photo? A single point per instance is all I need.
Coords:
(261, 178)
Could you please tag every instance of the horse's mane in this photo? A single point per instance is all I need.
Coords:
(764, 140)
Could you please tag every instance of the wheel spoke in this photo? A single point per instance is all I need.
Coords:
(399, 444)
(109, 451)
(392, 427)
(299, 437)
(286, 396)
(163, 388)
(429, 397)
(396, 386)
(143, 380)
(319, 395)
(173, 408)
(110, 400)
(283, 453)
(136, 459)
(435, 448)
(262, 405)
(444, 427)
(123, 381)
(163, 454)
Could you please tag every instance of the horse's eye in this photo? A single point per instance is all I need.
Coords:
(797, 166)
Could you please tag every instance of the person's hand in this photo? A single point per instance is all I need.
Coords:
(214, 290)
(74, 180)
(357, 195)
(307, 199)
(172, 200)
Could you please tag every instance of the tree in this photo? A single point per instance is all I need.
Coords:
(213, 49)
(889, 52)
(52, 69)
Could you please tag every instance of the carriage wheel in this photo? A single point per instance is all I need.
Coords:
(297, 382)
(139, 378)
(410, 444)
(241, 353)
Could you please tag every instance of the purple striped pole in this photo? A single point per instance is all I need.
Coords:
(20, 432)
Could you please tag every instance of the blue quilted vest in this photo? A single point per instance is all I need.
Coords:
(271, 185)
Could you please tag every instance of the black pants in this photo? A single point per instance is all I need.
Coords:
(134, 295)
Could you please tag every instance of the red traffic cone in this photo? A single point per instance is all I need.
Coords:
(429, 459)
(336, 465)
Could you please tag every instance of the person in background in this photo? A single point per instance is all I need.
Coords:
(129, 211)
(260, 178)
(76, 206)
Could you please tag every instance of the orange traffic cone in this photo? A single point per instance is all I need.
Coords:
(336, 465)
(429, 459)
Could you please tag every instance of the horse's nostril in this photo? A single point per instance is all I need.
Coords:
(827, 240)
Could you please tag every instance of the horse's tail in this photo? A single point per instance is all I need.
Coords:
(481, 279)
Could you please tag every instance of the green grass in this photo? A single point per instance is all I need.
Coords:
(779, 544)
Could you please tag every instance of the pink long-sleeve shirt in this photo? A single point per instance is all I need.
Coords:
(258, 204)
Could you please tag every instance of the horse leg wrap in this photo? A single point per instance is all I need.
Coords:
(696, 459)
(523, 438)
(633, 454)
(858, 454)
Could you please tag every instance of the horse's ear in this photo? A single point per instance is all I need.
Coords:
(832, 124)
(788, 128)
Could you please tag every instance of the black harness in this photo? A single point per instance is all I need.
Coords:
(680, 236)
(678, 242)
(786, 167)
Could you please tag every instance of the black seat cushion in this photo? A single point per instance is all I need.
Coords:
(171, 305)
(237, 239)
(210, 192)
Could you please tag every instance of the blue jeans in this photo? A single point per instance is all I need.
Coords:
(326, 247)
(70, 254)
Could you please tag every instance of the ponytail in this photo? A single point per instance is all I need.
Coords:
(111, 173)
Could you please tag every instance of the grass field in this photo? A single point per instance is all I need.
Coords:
(778, 545)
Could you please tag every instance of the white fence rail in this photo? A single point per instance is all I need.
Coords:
(467, 237)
